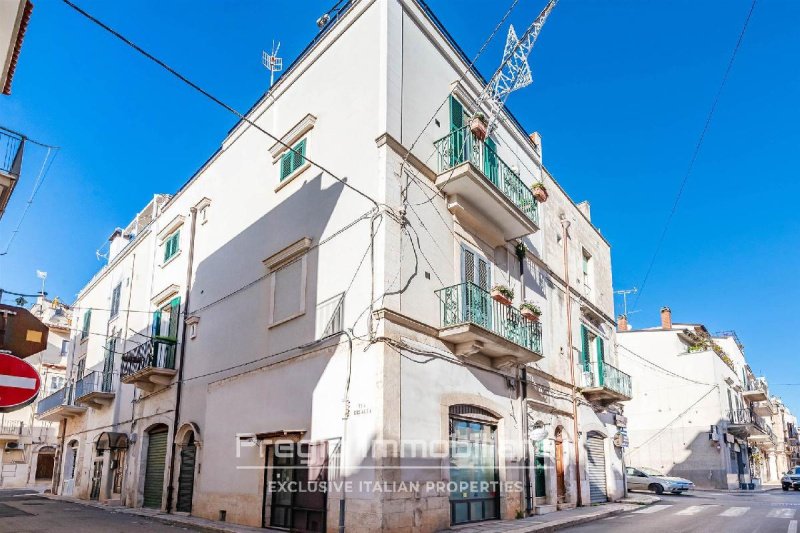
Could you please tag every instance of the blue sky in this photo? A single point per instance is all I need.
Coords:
(621, 91)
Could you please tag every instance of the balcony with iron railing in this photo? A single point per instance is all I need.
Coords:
(480, 326)
(11, 149)
(11, 429)
(602, 382)
(95, 389)
(150, 365)
(481, 188)
(755, 391)
(745, 423)
(60, 404)
(764, 408)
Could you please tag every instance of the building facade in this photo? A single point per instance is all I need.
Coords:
(358, 329)
(27, 444)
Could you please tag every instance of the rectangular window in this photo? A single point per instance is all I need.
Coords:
(587, 270)
(87, 320)
(172, 246)
(330, 316)
(288, 291)
(64, 347)
(293, 159)
(115, 297)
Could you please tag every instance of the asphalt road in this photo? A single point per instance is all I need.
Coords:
(774, 511)
(22, 511)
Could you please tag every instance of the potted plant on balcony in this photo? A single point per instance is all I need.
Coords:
(530, 311)
(479, 126)
(539, 192)
(502, 294)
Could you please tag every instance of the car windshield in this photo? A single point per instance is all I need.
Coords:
(651, 472)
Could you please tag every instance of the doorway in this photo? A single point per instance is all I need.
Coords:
(561, 486)
(186, 475)
(156, 463)
(596, 467)
(45, 461)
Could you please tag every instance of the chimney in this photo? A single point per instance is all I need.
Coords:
(536, 139)
(622, 323)
(666, 318)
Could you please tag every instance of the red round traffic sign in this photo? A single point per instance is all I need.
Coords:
(19, 383)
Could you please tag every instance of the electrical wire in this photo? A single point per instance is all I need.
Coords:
(214, 99)
(696, 152)
(661, 368)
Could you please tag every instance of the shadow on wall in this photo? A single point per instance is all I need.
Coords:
(705, 464)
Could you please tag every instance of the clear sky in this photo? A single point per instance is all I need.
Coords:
(621, 91)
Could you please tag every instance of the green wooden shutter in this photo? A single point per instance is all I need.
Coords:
(154, 473)
(298, 156)
(456, 114)
(174, 314)
(157, 323)
(600, 359)
(286, 165)
(87, 321)
(490, 160)
(585, 360)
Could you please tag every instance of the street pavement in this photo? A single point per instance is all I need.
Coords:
(773, 511)
(22, 511)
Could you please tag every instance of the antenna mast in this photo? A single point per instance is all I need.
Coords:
(625, 293)
(272, 62)
(514, 72)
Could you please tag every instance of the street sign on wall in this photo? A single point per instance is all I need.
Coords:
(21, 333)
(19, 383)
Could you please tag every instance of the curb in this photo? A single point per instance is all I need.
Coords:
(569, 522)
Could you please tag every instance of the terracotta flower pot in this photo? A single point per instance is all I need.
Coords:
(530, 315)
(540, 193)
(497, 296)
(478, 128)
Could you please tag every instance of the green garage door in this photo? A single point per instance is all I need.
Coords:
(156, 462)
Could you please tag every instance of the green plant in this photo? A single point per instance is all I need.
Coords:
(521, 250)
(532, 307)
(505, 291)
(480, 116)
(520, 515)
(538, 185)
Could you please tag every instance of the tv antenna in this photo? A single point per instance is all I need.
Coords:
(272, 62)
(625, 293)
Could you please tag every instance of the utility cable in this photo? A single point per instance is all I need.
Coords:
(661, 368)
(696, 152)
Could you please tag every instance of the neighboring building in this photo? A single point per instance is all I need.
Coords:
(695, 410)
(27, 445)
(270, 323)
(14, 17)
(785, 425)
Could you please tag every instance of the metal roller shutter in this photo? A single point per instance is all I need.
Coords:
(596, 468)
(186, 479)
(156, 463)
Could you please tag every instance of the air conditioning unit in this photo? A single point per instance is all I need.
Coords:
(12, 445)
(714, 433)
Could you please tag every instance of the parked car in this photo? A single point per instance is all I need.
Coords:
(791, 479)
(649, 479)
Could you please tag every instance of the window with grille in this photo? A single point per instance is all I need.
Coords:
(293, 159)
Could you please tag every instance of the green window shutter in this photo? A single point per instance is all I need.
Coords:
(286, 165)
(87, 320)
(171, 246)
(298, 156)
(174, 314)
(585, 349)
(157, 323)
(456, 114)
(600, 358)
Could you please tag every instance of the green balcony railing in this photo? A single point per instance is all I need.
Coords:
(461, 146)
(467, 303)
(602, 374)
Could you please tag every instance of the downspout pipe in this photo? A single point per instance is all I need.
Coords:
(576, 434)
(181, 356)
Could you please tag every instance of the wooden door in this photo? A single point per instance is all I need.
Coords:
(561, 488)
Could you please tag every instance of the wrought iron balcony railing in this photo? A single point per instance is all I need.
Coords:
(746, 416)
(11, 148)
(12, 427)
(63, 396)
(461, 146)
(94, 382)
(467, 303)
(158, 352)
(603, 374)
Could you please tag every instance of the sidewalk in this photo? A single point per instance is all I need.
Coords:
(762, 488)
(545, 523)
(560, 519)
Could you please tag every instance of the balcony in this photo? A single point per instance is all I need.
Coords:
(477, 324)
(11, 149)
(11, 430)
(60, 404)
(482, 190)
(755, 391)
(150, 365)
(95, 389)
(745, 423)
(764, 408)
(603, 383)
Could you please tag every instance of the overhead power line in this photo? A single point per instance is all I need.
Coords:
(213, 98)
(695, 153)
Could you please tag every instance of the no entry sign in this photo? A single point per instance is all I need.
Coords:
(19, 383)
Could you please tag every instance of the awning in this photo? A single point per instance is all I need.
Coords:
(109, 440)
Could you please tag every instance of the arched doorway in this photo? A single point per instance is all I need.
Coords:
(45, 460)
(561, 486)
(70, 465)
(186, 474)
(596, 467)
(155, 466)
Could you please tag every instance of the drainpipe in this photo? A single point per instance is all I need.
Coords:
(564, 234)
(179, 388)
(520, 249)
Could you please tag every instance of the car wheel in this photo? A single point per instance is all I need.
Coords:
(785, 487)
(658, 489)
(676, 492)
(796, 488)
